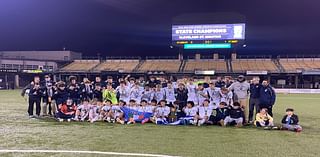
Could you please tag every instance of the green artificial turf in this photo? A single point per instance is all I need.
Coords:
(17, 131)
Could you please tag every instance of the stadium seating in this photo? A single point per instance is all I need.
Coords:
(80, 65)
(243, 65)
(292, 65)
(217, 65)
(160, 65)
(116, 65)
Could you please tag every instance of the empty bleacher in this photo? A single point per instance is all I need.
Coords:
(80, 65)
(160, 65)
(209, 64)
(292, 65)
(117, 65)
(243, 65)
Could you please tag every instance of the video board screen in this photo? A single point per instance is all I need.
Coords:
(208, 32)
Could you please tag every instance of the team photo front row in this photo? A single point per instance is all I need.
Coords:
(162, 102)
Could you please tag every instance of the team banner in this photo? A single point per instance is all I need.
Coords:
(137, 116)
(208, 32)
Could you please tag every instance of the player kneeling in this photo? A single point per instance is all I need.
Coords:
(66, 111)
(205, 112)
(235, 115)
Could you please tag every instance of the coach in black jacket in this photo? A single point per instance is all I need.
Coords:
(267, 97)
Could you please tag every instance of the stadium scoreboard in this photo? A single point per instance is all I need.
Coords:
(208, 36)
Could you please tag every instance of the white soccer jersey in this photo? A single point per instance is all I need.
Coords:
(159, 95)
(116, 110)
(214, 96)
(84, 108)
(124, 93)
(135, 94)
(205, 111)
(146, 95)
(190, 111)
(150, 108)
(227, 98)
(163, 111)
(106, 108)
(141, 108)
(201, 95)
(170, 95)
(133, 107)
(192, 94)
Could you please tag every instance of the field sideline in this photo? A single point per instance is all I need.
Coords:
(17, 131)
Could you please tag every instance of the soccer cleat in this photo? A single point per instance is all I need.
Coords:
(60, 120)
(69, 120)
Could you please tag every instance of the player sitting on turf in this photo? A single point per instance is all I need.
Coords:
(82, 112)
(291, 121)
(94, 113)
(190, 111)
(153, 106)
(162, 112)
(132, 106)
(105, 111)
(221, 113)
(263, 119)
(235, 115)
(116, 114)
(66, 111)
(205, 112)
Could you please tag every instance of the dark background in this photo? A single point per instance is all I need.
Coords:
(143, 27)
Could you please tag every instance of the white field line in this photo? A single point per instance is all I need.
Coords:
(82, 152)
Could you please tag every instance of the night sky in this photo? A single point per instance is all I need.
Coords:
(143, 27)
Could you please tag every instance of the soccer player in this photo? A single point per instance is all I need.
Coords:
(162, 112)
(136, 93)
(192, 92)
(291, 121)
(158, 93)
(226, 96)
(147, 94)
(221, 113)
(235, 115)
(94, 113)
(170, 93)
(66, 111)
(110, 94)
(124, 92)
(214, 94)
(263, 119)
(202, 94)
(190, 112)
(105, 111)
(82, 112)
(205, 111)
(116, 114)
